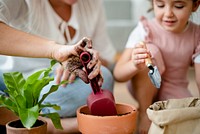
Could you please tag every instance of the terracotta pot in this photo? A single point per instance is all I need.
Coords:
(15, 127)
(122, 123)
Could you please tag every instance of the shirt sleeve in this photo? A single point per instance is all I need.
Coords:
(136, 36)
(11, 9)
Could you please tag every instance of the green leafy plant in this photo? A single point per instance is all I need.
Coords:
(24, 96)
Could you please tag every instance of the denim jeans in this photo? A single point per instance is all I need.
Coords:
(2, 85)
(72, 96)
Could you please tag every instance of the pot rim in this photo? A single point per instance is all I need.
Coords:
(134, 111)
(11, 128)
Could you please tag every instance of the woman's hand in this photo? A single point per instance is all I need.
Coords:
(139, 54)
(62, 52)
(72, 66)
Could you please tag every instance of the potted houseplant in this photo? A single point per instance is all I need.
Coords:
(25, 101)
(122, 123)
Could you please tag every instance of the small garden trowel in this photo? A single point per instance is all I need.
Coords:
(153, 73)
(101, 101)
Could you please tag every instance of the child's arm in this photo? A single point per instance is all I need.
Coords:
(125, 68)
(131, 61)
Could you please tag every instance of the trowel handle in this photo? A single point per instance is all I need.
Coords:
(85, 58)
(148, 61)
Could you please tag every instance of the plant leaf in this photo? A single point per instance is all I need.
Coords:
(54, 106)
(32, 78)
(29, 116)
(53, 62)
(14, 82)
(30, 101)
(37, 87)
(21, 101)
(8, 103)
(52, 89)
(35, 83)
(55, 119)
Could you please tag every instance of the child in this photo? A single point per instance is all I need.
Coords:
(173, 43)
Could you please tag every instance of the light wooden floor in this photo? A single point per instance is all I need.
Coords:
(122, 95)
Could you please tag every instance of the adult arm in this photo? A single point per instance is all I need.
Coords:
(17, 43)
(14, 42)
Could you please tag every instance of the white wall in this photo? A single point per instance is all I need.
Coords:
(196, 16)
(122, 17)
(140, 8)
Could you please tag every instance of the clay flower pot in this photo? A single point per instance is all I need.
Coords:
(122, 123)
(16, 127)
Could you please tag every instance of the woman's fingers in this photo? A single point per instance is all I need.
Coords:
(59, 72)
(83, 45)
(95, 58)
(95, 70)
(81, 74)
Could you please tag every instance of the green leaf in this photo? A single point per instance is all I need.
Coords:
(55, 119)
(30, 101)
(8, 103)
(29, 116)
(52, 89)
(63, 82)
(53, 62)
(21, 101)
(37, 87)
(54, 106)
(32, 78)
(14, 82)
(36, 82)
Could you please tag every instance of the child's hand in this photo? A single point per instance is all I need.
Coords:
(139, 54)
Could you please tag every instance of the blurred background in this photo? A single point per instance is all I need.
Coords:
(122, 17)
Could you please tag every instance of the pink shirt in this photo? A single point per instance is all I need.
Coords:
(177, 54)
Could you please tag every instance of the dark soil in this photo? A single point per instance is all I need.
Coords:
(117, 114)
(18, 124)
